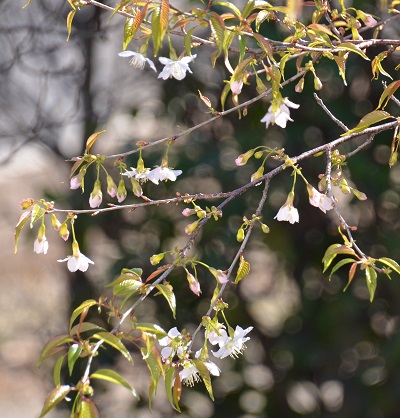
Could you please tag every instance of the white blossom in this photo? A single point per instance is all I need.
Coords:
(176, 69)
(318, 199)
(143, 175)
(138, 60)
(79, 262)
(163, 173)
(41, 246)
(229, 346)
(281, 115)
(287, 213)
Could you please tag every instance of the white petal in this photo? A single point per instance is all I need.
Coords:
(178, 70)
(187, 59)
(151, 63)
(127, 54)
(165, 73)
(290, 104)
(165, 61)
(73, 264)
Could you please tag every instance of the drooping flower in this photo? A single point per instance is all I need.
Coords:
(190, 375)
(77, 262)
(193, 283)
(121, 191)
(175, 68)
(319, 200)
(281, 115)
(288, 212)
(243, 158)
(111, 186)
(96, 196)
(75, 183)
(138, 60)
(163, 173)
(370, 22)
(138, 175)
(236, 86)
(220, 275)
(230, 346)
(41, 246)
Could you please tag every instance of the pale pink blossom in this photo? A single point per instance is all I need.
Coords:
(75, 183)
(318, 199)
(287, 213)
(236, 86)
(163, 173)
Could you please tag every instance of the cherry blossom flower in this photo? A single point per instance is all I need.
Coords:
(75, 183)
(193, 284)
(163, 173)
(138, 175)
(77, 262)
(243, 158)
(111, 186)
(96, 196)
(138, 60)
(220, 275)
(318, 199)
(172, 344)
(175, 68)
(40, 246)
(288, 212)
(190, 375)
(229, 346)
(236, 86)
(281, 115)
(370, 22)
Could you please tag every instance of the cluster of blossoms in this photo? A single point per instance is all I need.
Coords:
(172, 68)
(177, 345)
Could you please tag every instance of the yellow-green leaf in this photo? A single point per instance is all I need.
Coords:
(340, 264)
(167, 291)
(114, 377)
(84, 305)
(352, 48)
(18, 228)
(370, 276)
(53, 398)
(388, 93)
(57, 370)
(84, 327)
(368, 120)
(205, 376)
(88, 409)
(74, 352)
(115, 342)
(91, 140)
(54, 346)
(37, 213)
(243, 270)
(390, 263)
(70, 18)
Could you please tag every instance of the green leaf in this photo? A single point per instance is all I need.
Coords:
(369, 119)
(18, 228)
(388, 93)
(159, 24)
(205, 376)
(188, 42)
(341, 263)
(114, 377)
(229, 5)
(341, 63)
(167, 291)
(248, 8)
(84, 305)
(152, 329)
(218, 27)
(57, 370)
(317, 27)
(54, 346)
(352, 48)
(87, 409)
(370, 275)
(265, 45)
(126, 283)
(332, 251)
(118, 7)
(390, 263)
(54, 398)
(224, 95)
(170, 374)
(243, 270)
(37, 213)
(115, 342)
(84, 327)
(74, 352)
(70, 18)
(154, 364)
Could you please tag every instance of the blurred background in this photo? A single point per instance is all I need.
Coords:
(314, 351)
